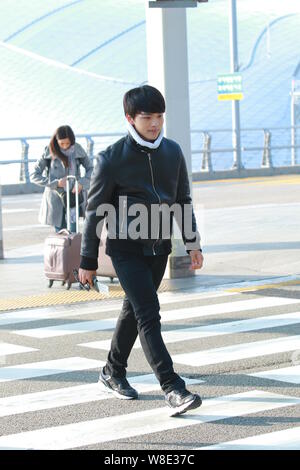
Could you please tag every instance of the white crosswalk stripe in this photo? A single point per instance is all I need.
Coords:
(49, 313)
(69, 329)
(239, 351)
(288, 439)
(144, 422)
(74, 395)
(285, 374)
(7, 348)
(219, 329)
(172, 315)
(40, 369)
(75, 429)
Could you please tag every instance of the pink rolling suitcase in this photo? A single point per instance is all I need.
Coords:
(105, 266)
(62, 249)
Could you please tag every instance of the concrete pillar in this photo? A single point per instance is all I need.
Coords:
(168, 71)
(1, 229)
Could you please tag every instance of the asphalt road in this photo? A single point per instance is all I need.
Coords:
(236, 404)
(220, 337)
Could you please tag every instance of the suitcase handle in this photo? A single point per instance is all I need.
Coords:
(63, 231)
(76, 202)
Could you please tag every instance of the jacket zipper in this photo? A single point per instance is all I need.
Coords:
(123, 215)
(153, 185)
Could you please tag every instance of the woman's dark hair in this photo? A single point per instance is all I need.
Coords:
(145, 99)
(62, 132)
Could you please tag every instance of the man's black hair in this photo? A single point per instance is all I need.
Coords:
(145, 99)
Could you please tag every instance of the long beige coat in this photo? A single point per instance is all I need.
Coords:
(51, 211)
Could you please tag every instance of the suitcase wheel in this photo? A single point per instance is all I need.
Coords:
(69, 285)
(50, 283)
(63, 283)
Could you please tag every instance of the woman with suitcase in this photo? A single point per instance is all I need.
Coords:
(62, 157)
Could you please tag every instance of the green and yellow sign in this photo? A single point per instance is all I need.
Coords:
(230, 87)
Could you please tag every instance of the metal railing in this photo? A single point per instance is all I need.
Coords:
(266, 149)
(25, 160)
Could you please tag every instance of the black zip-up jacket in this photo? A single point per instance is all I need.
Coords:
(126, 174)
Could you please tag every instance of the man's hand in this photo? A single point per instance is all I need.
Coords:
(86, 276)
(196, 259)
(79, 188)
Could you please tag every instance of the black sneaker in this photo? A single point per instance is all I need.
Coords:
(182, 400)
(119, 387)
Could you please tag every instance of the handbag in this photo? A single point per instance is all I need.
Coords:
(72, 199)
(63, 198)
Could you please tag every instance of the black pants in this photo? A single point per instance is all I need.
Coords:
(140, 277)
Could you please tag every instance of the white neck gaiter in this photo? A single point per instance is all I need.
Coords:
(144, 143)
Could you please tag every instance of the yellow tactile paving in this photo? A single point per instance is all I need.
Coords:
(269, 180)
(53, 298)
(277, 182)
(61, 298)
(264, 286)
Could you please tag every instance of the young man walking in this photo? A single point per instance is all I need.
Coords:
(147, 171)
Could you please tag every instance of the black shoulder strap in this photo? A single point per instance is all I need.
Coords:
(48, 163)
(48, 160)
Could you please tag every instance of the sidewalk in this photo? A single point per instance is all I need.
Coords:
(250, 232)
